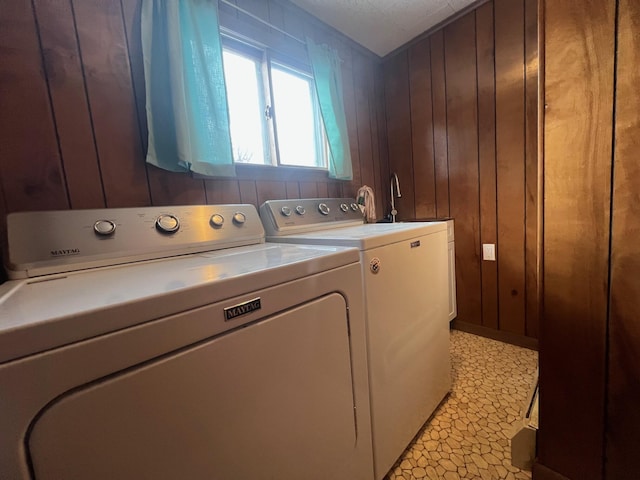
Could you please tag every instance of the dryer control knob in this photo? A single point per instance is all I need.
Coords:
(323, 209)
(167, 223)
(300, 210)
(104, 227)
(286, 211)
(374, 265)
(239, 218)
(354, 207)
(217, 220)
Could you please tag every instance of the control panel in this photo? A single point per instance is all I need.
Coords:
(283, 217)
(41, 243)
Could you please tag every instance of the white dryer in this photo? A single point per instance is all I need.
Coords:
(404, 269)
(214, 363)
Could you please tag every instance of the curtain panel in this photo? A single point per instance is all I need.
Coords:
(327, 75)
(186, 101)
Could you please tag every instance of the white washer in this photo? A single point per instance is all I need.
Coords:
(404, 269)
(227, 363)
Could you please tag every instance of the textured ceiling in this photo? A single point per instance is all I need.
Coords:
(382, 25)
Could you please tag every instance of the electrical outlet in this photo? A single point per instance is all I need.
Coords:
(489, 251)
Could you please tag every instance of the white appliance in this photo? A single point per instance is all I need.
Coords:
(404, 269)
(221, 363)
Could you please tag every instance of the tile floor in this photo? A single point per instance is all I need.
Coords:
(468, 435)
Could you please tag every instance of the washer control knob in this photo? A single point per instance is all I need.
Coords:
(239, 218)
(300, 210)
(217, 220)
(344, 207)
(354, 207)
(286, 211)
(104, 227)
(323, 209)
(167, 223)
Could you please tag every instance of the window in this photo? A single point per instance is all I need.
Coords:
(246, 106)
(273, 112)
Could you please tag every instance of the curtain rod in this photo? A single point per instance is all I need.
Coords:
(255, 17)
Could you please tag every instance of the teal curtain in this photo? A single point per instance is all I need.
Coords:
(187, 112)
(327, 74)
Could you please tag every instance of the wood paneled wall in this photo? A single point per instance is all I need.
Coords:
(590, 334)
(622, 426)
(72, 113)
(462, 122)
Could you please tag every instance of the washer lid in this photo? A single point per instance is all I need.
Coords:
(364, 237)
(55, 310)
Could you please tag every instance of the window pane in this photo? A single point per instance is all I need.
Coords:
(245, 108)
(297, 120)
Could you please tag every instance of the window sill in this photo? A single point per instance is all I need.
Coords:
(281, 173)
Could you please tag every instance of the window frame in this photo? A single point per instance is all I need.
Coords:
(268, 58)
(258, 55)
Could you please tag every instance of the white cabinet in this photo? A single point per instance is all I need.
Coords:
(453, 309)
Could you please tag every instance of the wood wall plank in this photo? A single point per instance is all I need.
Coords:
(268, 190)
(424, 180)
(440, 146)
(292, 190)
(259, 8)
(3, 232)
(382, 201)
(276, 16)
(251, 27)
(376, 132)
(103, 44)
(532, 300)
(222, 191)
(579, 62)
(398, 108)
(487, 158)
(173, 188)
(31, 171)
(334, 190)
(248, 192)
(69, 102)
(462, 139)
(623, 397)
(323, 191)
(363, 96)
(132, 12)
(510, 116)
(308, 190)
(293, 24)
(540, 472)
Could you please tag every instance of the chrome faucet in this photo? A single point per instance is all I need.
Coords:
(394, 212)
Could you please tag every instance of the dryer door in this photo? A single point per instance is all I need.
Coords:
(271, 400)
